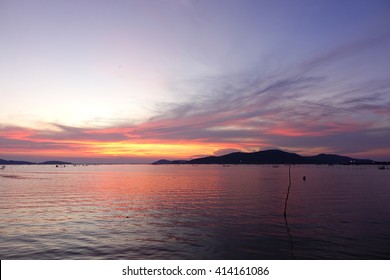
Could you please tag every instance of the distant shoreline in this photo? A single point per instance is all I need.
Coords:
(20, 162)
(274, 157)
(277, 157)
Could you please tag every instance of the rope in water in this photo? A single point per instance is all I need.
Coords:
(288, 190)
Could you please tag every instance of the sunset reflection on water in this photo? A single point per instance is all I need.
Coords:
(193, 212)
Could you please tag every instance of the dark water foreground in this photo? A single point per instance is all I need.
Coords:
(194, 212)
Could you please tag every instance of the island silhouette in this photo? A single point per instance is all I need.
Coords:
(270, 157)
(21, 162)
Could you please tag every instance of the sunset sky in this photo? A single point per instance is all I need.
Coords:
(139, 80)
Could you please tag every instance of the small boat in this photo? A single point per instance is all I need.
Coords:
(3, 167)
(382, 167)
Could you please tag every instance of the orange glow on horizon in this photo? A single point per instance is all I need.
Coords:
(169, 149)
(41, 146)
(143, 142)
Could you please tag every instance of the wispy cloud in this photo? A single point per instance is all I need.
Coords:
(347, 50)
(294, 108)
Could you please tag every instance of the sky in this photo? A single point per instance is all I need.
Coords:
(139, 80)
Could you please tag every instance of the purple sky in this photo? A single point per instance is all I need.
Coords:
(141, 80)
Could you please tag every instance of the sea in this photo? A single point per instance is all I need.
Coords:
(195, 212)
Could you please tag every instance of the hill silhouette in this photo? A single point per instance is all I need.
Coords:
(21, 162)
(14, 162)
(271, 157)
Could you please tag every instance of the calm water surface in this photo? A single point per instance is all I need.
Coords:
(194, 212)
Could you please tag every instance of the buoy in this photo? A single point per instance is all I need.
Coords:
(304, 178)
